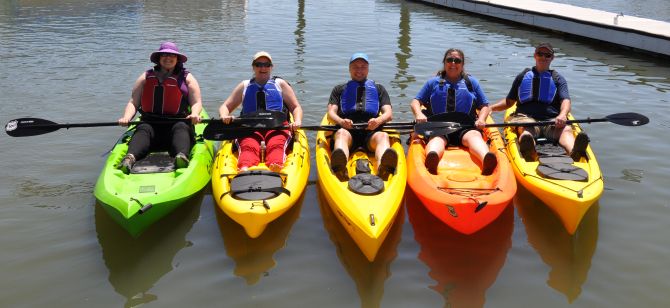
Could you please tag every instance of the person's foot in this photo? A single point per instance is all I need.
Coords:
(527, 147)
(432, 161)
(387, 163)
(127, 163)
(338, 162)
(579, 148)
(181, 160)
(489, 164)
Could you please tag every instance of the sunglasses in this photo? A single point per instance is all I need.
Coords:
(453, 60)
(166, 54)
(262, 64)
(544, 54)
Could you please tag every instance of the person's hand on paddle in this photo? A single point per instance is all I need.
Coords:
(195, 118)
(374, 123)
(293, 126)
(346, 123)
(124, 121)
(560, 121)
(480, 124)
(420, 117)
(227, 119)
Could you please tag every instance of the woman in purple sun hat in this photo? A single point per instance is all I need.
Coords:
(167, 90)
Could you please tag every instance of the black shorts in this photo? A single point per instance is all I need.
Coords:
(456, 138)
(453, 138)
(359, 139)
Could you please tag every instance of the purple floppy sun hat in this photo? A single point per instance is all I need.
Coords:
(167, 47)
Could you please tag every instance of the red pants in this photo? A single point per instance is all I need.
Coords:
(276, 142)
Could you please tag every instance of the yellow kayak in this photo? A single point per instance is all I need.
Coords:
(568, 199)
(257, 197)
(367, 218)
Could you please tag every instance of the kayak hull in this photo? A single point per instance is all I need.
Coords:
(458, 194)
(366, 218)
(137, 200)
(569, 200)
(255, 215)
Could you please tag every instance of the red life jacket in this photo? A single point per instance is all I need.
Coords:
(169, 97)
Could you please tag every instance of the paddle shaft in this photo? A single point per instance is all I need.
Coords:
(34, 126)
(443, 127)
(544, 123)
(389, 126)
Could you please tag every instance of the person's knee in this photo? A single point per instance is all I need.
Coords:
(567, 129)
(342, 133)
(145, 128)
(437, 141)
(472, 134)
(180, 126)
(380, 138)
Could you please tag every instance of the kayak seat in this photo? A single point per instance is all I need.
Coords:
(556, 164)
(155, 162)
(562, 171)
(257, 185)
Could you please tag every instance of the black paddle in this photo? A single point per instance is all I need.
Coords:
(24, 127)
(244, 125)
(443, 124)
(362, 126)
(221, 131)
(625, 119)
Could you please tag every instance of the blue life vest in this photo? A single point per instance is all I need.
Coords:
(538, 87)
(446, 97)
(267, 97)
(354, 104)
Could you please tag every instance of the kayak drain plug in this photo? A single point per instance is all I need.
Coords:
(144, 207)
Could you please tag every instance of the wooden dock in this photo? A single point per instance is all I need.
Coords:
(644, 34)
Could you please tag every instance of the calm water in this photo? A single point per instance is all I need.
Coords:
(75, 61)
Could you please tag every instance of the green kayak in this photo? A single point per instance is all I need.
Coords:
(154, 187)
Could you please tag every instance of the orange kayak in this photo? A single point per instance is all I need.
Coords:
(459, 195)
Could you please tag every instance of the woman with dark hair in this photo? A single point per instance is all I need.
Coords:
(454, 91)
(166, 91)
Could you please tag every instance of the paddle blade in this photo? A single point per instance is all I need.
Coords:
(262, 119)
(628, 119)
(25, 127)
(430, 129)
(220, 131)
(245, 125)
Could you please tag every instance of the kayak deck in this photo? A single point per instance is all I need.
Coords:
(459, 195)
(568, 199)
(154, 187)
(367, 218)
(255, 214)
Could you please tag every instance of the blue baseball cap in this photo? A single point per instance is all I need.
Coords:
(359, 55)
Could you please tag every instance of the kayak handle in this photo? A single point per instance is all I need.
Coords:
(143, 207)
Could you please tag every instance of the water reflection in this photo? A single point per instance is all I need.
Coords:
(568, 256)
(135, 265)
(368, 276)
(632, 175)
(464, 266)
(254, 257)
(188, 13)
(300, 42)
(404, 53)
